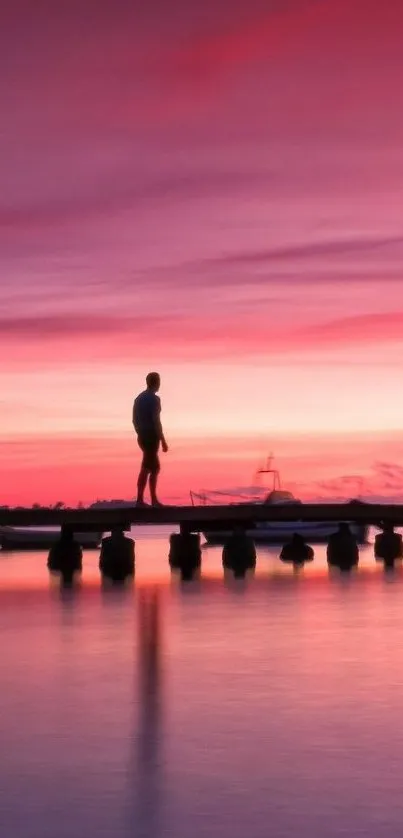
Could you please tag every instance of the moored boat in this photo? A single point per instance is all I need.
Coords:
(33, 538)
(276, 532)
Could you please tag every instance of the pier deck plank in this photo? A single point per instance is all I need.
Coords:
(201, 517)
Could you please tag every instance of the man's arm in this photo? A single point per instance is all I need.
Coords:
(158, 426)
(134, 416)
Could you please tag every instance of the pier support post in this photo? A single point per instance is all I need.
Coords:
(117, 558)
(185, 552)
(342, 549)
(297, 551)
(65, 555)
(388, 546)
(239, 553)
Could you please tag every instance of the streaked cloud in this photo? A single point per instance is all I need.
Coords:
(78, 337)
(310, 250)
(201, 188)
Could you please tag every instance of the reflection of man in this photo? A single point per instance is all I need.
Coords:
(147, 424)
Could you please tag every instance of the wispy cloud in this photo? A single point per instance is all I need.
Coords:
(176, 337)
(381, 482)
(58, 327)
(310, 250)
(114, 196)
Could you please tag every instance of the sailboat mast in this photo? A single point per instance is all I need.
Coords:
(268, 469)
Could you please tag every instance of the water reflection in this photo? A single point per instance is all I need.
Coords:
(147, 739)
(238, 580)
(342, 572)
(119, 585)
(215, 706)
(65, 584)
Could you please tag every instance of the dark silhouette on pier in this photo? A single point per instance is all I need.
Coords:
(148, 427)
(342, 549)
(297, 550)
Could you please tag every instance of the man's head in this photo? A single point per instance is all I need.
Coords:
(153, 381)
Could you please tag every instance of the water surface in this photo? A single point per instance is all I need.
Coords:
(218, 707)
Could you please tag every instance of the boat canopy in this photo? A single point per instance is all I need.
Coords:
(280, 496)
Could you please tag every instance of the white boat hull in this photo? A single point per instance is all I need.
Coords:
(277, 533)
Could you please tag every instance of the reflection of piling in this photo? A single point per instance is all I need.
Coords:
(185, 575)
(237, 580)
(190, 575)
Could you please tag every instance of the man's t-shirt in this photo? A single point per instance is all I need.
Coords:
(146, 412)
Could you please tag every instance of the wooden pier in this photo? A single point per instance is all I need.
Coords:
(200, 518)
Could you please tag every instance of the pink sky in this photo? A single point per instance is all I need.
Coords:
(214, 192)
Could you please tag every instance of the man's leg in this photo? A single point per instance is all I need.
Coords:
(154, 472)
(153, 488)
(141, 484)
(144, 472)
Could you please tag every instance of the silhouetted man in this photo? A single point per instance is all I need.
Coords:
(147, 424)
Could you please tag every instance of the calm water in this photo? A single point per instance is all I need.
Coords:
(271, 706)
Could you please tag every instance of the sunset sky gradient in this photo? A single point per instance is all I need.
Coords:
(215, 191)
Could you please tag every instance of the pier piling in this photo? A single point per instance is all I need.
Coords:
(185, 552)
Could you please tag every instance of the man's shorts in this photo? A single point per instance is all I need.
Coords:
(149, 446)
